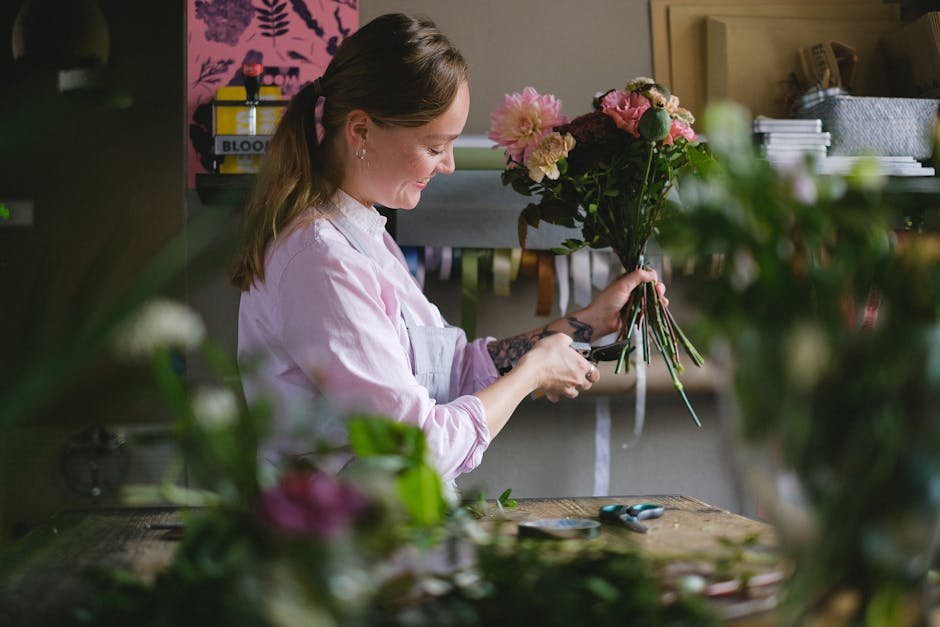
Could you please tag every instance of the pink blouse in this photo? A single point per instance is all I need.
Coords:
(329, 317)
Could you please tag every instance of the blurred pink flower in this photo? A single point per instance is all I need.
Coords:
(680, 129)
(311, 503)
(625, 108)
(520, 123)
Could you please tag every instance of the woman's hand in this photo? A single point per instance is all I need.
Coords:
(603, 314)
(558, 369)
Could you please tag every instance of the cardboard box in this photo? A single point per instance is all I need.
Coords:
(913, 54)
(749, 59)
(678, 33)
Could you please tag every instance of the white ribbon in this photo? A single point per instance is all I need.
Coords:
(602, 446)
(561, 278)
(581, 277)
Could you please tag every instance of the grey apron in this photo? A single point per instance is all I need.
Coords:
(433, 348)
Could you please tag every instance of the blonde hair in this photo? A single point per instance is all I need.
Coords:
(400, 70)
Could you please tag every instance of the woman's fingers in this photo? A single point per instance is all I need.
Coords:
(661, 290)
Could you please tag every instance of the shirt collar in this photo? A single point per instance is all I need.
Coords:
(366, 218)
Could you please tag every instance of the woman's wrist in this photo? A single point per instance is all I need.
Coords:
(587, 325)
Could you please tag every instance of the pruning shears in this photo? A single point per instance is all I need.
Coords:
(610, 352)
(630, 515)
(595, 354)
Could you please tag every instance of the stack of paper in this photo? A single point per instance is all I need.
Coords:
(888, 166)
(786, 140)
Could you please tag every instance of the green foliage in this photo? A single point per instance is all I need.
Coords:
(576, 584)
(419, 485)
(833, 331)
(505, 500)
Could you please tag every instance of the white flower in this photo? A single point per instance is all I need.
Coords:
(158, 324)
(214, 408)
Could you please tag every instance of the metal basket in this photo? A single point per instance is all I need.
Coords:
(881, 126)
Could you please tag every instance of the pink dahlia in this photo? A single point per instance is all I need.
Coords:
(520, 123)
(625, 108)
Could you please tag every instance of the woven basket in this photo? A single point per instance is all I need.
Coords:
(882, 126)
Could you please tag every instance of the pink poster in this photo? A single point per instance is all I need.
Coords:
(293, 39)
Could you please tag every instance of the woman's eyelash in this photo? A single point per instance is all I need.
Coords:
(434, 151)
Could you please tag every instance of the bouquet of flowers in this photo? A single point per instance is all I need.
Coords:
(610, 171)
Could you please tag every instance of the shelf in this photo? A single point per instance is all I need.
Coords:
(230, 190)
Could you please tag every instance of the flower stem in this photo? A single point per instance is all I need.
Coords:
(677, 383)
(693, 353)
(639, 199)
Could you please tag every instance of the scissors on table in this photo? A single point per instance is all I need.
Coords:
(630, 515)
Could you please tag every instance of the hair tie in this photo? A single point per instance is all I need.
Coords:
(311, 97)
(311, 92)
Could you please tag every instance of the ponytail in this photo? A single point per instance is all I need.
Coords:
(294, 175)
(400, 70)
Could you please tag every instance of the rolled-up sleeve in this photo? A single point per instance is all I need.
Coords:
(341, 324)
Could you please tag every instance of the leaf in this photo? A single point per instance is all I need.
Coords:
(555, 211)
(504, 499)
(371, 436)
(421, 491)
(521, 185)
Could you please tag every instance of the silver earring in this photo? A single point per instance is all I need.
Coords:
(361, 154)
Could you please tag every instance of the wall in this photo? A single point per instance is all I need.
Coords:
(548, 449)
(567, 48)
(108, 187)
(105, 174)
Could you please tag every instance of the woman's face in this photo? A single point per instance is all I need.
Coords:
(400, 161)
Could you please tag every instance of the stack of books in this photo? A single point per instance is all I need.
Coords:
(783, 141)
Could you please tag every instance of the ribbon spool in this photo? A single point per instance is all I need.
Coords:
(559, 528)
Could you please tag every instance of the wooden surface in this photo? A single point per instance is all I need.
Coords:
(44, 576)
(690, 535)
(687, 526)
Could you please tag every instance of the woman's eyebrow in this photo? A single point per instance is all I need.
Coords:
(441, 137)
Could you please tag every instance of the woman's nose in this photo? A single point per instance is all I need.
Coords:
(447, 165)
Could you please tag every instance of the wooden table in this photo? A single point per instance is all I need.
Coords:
(44, 575)
(691, 533)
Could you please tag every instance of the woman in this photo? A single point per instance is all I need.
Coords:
(327, 298)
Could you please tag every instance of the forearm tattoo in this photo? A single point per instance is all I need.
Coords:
(581, 332)
(506, 353)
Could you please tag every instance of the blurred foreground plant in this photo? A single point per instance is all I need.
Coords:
(382, 543)
(834, 337)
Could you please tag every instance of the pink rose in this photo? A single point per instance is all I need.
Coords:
(520, 123)
(311, 503)
(680, 129)
(626, 109)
